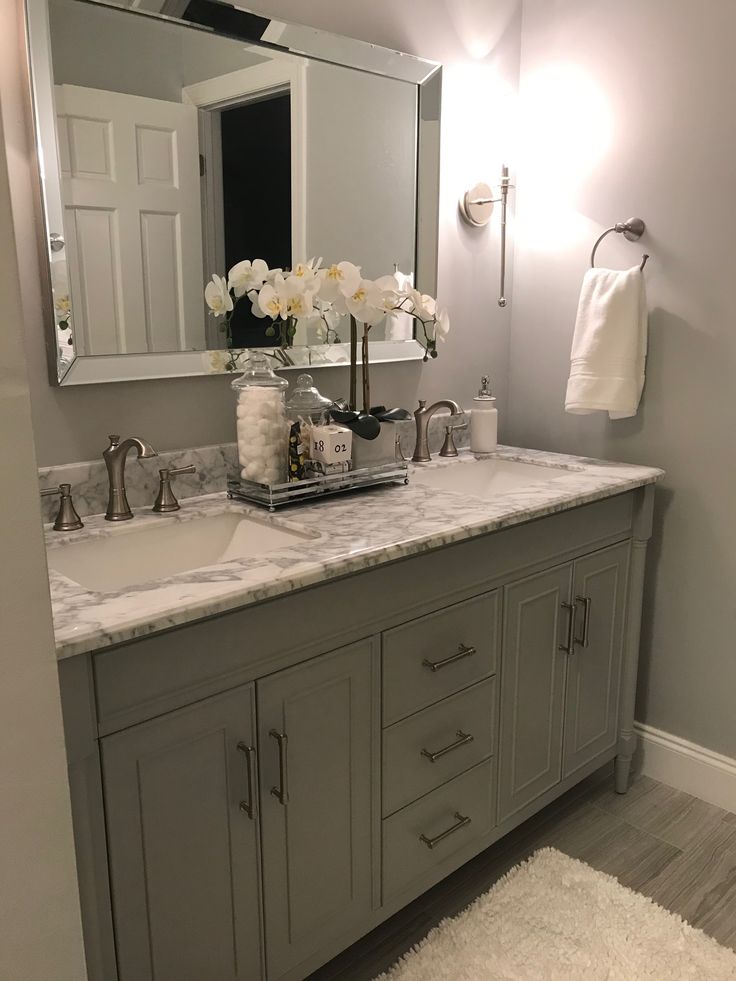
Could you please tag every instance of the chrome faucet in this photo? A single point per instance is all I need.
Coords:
(422, 415)
(115, 456)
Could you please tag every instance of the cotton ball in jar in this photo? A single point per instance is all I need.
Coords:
(255, 471)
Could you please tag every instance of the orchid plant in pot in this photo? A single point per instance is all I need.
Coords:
(320, 296)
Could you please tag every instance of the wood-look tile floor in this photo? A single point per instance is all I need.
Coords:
(661, 842)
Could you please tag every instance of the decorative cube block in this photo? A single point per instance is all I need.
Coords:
(330, 444)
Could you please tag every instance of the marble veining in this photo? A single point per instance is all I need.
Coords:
(352, 533)
(213, 463)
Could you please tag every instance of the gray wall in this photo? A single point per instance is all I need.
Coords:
(70, 423)
(40, 932)
(662, 73)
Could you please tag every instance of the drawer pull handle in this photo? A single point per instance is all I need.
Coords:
(461, 823)
(587, 603)
(249, 805)
(571, 610)
(463, 738)
(281, 793)
(462, 652)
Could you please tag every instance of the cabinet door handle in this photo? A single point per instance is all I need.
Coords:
(461, 823)
(281, 793)
(463, 738)
(569, 648)
(249, 805)
(462, 652)
(587, 603)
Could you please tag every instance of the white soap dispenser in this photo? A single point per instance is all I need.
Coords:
(484, 420)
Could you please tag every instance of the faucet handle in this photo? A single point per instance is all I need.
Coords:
(166, 500)
(67, 518)
(456, 420)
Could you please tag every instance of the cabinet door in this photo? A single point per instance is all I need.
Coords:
(318, 841)
(532, 687)
(184, 857)
(591, 714)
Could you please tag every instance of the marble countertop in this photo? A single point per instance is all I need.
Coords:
(351, 533)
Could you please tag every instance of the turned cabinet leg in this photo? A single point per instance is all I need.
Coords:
(627, 737)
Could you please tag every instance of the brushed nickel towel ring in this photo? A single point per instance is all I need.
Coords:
(632, 230)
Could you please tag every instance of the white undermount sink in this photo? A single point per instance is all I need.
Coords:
(487, 478)
(151, 551)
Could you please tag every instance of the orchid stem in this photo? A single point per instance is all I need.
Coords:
(353, 363)
(365, 373)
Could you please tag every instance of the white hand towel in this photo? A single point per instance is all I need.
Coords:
(609, 346)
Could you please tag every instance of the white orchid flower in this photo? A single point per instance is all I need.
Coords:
(366, 303)
(390, 297)
(442, 325)
(285, 298)
(308, 272)
(340, 279)
(424, 306)
(246, 276)
(217, 296)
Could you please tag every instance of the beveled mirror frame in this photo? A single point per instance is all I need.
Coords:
(279, 36)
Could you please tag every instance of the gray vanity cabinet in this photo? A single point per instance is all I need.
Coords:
(532, 688)
(184, 854)
(280, 779)
(593, 670)
(187, 793)
(318, 731)
(562, 652)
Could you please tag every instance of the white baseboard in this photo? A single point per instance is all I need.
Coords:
(686, 766)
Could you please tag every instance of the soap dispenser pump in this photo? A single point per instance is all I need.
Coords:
(484, 420)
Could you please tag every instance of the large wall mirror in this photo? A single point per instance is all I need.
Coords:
(176, 141)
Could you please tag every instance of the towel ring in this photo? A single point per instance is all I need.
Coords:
(632, 230)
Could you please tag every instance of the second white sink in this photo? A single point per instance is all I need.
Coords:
(487, 478)
(151, 551)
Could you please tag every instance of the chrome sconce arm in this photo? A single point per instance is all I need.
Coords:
(476, 207)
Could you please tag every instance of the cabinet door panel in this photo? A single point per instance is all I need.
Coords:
(532, 688)
(318, 847)
(591, 719)
(184, 857)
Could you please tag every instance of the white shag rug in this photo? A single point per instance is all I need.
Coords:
(554, 918)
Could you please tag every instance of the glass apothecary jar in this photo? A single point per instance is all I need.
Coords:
(263, 432)
(306, 403)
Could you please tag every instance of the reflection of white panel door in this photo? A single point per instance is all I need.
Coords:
(130, 185)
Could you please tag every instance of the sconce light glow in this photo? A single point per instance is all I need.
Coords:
(478, 123)
(566, 130)
(567, 127)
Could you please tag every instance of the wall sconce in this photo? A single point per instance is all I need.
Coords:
(476, 208)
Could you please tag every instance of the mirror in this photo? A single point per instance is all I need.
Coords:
(173, 147)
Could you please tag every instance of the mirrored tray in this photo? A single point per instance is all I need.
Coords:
(277, 495)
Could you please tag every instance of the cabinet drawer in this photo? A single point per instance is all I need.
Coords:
(410, 682)
(441, 731)
(449, 819)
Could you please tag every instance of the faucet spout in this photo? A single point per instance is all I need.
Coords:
(422, 415)
(115, 457)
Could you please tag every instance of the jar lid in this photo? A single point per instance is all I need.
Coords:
(259, 373)
(306, 397)
(484, 393)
